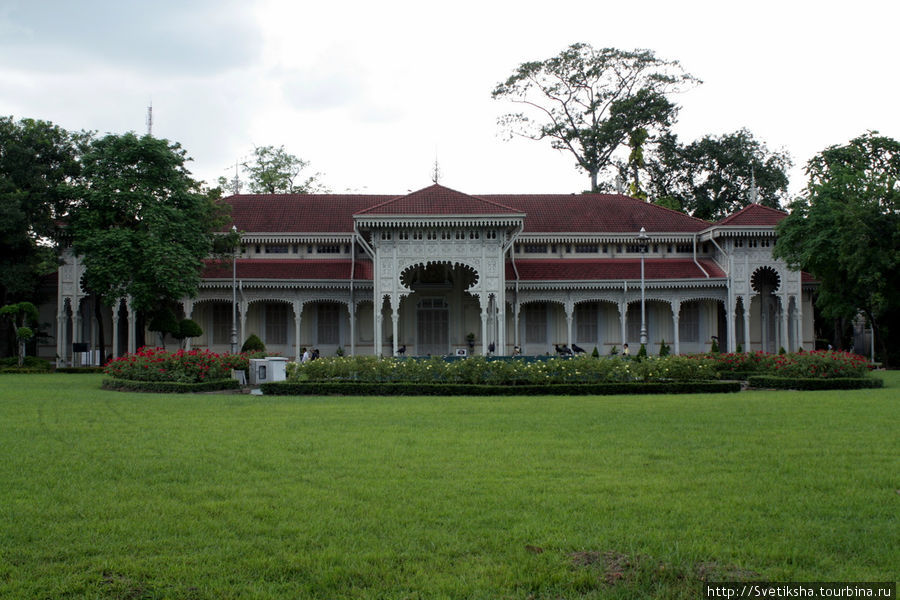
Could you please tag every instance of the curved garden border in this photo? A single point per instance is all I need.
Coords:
(356, 388)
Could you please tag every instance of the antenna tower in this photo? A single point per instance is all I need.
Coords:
(150, 120)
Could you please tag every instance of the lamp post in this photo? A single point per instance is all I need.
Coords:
(642, 242)
(234, 296)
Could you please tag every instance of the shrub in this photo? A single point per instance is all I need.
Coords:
(32, 363)
(642, 353)
(595, 353)
(663, 348)
(502, 370)
(714, 348)
(169, 387)
(253, 344)
(816, 383)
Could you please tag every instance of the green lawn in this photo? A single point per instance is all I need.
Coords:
(116, 495)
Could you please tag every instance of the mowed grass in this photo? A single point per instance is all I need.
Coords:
(116, 495)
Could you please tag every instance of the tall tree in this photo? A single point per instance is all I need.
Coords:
(38, 170)
(715, 176)
(274, 171)
(588, 102)
(142, 226)
(845, 231)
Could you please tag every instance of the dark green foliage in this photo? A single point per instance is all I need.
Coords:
(169, 387)
(79, 370)
(739, 349)
(818, 383)
(781, 350)
(253, 344)
(31, 364)
(589, 102)
(275, 171)
(845, 231)
(143, 226)
(352, 388)
(714, 348)
(613, 351)
(595, 353)
(188, 328)
(713, 177)
(38, 169)
(20, 315)
(642, 352)
(164, 322)
(664, 348)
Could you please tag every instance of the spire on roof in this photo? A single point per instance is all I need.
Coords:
(436, 172)
(753, 193)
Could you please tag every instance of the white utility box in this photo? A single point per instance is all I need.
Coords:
(270, 368)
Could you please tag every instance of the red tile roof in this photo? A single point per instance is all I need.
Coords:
(298, 213)
(438, 200)
(289, 269)
(754, 215)
(545, 213)
(590, 213)
(611, 269)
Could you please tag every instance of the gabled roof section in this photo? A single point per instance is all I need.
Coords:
(437, 200)
(753, 215)
(592, 213)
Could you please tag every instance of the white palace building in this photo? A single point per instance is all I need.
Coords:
(437, 270)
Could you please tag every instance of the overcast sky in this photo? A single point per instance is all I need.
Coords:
(370, 92)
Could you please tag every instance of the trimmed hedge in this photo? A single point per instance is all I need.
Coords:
(80, 369)
(356, 388)
(25, 370)
(818, 383)
(169, 387)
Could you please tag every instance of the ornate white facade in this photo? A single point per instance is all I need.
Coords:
(437, 271)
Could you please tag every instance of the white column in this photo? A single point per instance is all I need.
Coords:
(516, 341)
(395, 318)
(798, 316)
(115, 328)
(501, 329)
(297, 307)
(351, 311)
(376, 323)
(730, 316)
(569, 307)
(188, 305)
(745, 300)
(484, 301)
(244, 307)
(785, 339)
(623, 317)
(132, 326)
(62, 322)
(676, 316)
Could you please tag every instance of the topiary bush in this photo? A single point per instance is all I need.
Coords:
(253, 344)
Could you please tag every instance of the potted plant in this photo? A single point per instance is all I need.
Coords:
(470, 338)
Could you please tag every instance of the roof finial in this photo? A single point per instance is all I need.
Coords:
(620, 184)
(150, 119)
(753, 194)
(436, 172)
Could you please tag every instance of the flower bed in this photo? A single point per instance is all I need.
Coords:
(193, 366)
(820, 364)
(814, 383)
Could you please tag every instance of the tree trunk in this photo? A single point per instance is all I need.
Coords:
(593, 175)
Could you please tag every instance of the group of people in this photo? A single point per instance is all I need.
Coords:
(308, 355)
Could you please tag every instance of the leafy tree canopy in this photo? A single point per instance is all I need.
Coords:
(142, 226)
(714, 176)
(39, 168)
(274, 171)
(589, 102)
(845, 230)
